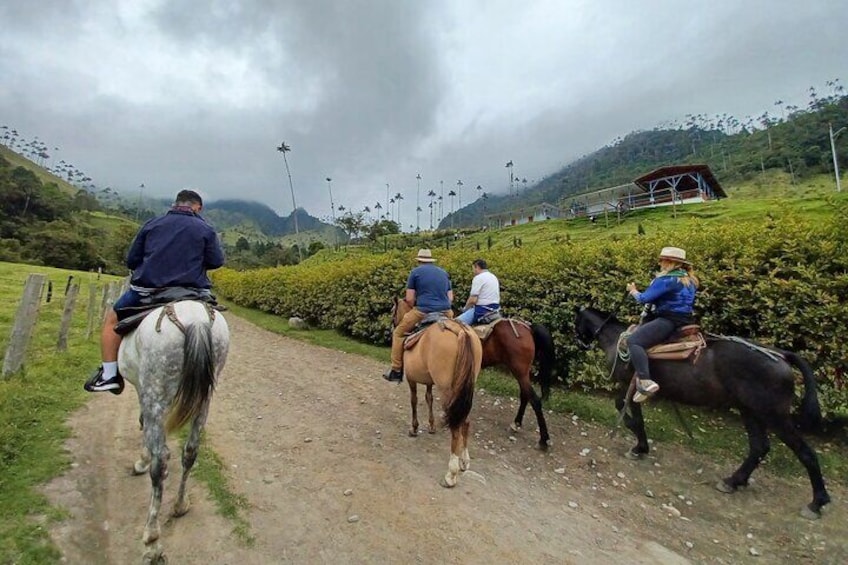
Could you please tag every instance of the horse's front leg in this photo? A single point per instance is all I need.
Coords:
(431, 420)
(636, 424)
(413, 401)
(190, 449)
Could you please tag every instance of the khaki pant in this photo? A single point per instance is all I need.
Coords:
(409, 321)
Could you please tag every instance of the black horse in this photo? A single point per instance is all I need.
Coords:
(729, 373)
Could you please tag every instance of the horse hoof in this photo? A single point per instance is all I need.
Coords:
(413, 433)
(444, 482)
(181, 509)
(154, 556)
(140, 468)
(514, 427)
(431, 431)
(543, 445)
(722, 486)
(150, 535)
(810, 514)
(634, 455)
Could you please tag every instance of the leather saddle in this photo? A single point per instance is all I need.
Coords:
(432, 318)
(130, 318)
(683, 344)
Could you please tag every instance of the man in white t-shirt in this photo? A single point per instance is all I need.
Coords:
(485, 295)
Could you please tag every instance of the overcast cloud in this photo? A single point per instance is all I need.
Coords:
(200, 93)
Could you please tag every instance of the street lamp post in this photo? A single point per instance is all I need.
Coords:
(833, 136)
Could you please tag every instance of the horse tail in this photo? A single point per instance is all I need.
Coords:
(545, 355)
(458, 407)
(810, 418)
(197, 380)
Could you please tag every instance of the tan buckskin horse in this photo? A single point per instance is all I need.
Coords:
(448, 354)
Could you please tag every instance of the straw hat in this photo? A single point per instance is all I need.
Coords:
(424, 256)
(674, 254)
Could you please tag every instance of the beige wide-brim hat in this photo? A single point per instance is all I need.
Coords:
(424, 256)
(674, 254)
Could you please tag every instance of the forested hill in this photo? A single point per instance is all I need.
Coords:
(225, 214)
(797, 141)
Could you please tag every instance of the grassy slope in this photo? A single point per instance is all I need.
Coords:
(43, 174)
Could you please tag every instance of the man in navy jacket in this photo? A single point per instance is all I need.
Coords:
(174, 250)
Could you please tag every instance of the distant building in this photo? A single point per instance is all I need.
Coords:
(525, 215)
(677, 184)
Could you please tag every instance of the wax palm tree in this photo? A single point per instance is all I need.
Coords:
(451, 194)
(431, 194)
(330, 188)
(283, 148)
(398, 198)
(418, 203)
(459, 184)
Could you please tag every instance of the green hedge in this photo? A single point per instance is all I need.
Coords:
(781, 280)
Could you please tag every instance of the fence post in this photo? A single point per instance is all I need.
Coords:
(92, 300)
(67, 314)
(25, 319)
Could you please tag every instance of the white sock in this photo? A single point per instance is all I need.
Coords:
(110, 369)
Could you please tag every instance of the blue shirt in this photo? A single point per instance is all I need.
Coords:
(668, 295)
(431, 285)
(174, 250)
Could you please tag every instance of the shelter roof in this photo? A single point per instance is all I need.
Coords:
(676, 170)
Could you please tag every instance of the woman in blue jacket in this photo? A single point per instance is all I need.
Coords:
(672, 293)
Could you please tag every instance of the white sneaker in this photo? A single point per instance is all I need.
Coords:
(645, 389)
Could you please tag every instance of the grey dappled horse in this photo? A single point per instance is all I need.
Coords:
(173, 358)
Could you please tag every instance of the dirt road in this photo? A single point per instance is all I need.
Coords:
(317, 443)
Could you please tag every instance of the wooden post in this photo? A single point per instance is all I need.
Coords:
(92, 301)
(67, 315)
(25, 319)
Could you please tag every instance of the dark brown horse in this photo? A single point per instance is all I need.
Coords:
(515, 345)
(729, 373)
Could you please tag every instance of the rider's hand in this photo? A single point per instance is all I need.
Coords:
(631, 287)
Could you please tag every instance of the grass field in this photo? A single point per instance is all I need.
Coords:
(34, 406)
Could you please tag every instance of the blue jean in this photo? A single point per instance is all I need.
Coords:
(646, 336)
(467, 316)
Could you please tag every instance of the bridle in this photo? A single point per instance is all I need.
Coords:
(588, 345)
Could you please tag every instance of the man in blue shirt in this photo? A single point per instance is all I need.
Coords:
(174, 250)
(428, 290)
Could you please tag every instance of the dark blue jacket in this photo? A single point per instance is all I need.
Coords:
(174, 250)
(668, 295)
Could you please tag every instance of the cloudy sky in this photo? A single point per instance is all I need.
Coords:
(200, 93)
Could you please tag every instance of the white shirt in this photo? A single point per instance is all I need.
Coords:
(486, 288)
